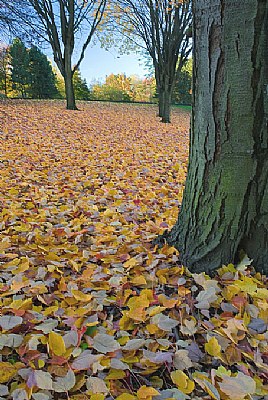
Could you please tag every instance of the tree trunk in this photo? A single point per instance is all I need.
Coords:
(166, 105)
(165, 93)
(225, 204)
(160, 102)
(68, 78)
(69, 91)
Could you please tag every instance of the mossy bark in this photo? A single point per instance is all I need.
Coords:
(225, 204)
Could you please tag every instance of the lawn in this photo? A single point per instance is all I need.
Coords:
(90, 309)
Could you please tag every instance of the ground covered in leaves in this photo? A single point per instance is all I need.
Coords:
(90, 309)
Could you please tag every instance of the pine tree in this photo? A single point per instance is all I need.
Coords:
(81, 89)
(19, 61)
(41, 77)
(3, 71)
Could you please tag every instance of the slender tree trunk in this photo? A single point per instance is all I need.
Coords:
(68, 79)
(160, 102)
(166, 110)
(225, 204)
(164, 94)
(69, 91)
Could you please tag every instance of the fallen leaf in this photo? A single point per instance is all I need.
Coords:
(64, 384)
(105, 343)
(8, 322)
(212, 347)
(238, 387)
(56, 343)
(182, 381)
(96, 385)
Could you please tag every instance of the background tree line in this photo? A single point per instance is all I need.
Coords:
(27, 73)
(161, 29)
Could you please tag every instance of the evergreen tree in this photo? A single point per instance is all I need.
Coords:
(19, 61)
(81, 89)
(41, 77)
(183, 86)
(3, 70)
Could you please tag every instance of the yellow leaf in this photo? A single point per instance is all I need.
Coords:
(139, 280)
(97, 396)
(212, 347)
(146, 393)
(152, 328)
(116, 374)
(50, 310)
(132, 262)
(4, 244)
(21, 304)
(138, 314)
(126, 396)
(108, 213)
(136, 301)
(247, 285)
(167, 302)
(126, 323)
(156, 310)
(80, 296)
(182, 381)
(7, 371)
(56, 344)
(261, 293)
(41, 364)
(176, 166)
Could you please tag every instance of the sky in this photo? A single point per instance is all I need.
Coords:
(98, 63)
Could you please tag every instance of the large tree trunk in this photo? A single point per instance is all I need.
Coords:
(225, 204)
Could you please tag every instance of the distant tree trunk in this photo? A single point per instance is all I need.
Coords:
(68, 81)
(69, 91)
(160, 102)
(225, 204)
(165, 88)
(166, 109)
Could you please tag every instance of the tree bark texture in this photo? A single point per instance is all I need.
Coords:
(225, 204)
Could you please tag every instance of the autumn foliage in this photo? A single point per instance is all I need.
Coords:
(90, 309)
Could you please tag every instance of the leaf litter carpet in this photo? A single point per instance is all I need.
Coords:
(89, 308)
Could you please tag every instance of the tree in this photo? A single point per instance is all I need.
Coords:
(81, 89)
(3, 69)
(117, 87)
(19, 61)
(183, 85)
(161, 28)
(225, 204)
(42, 81)
(62, 20)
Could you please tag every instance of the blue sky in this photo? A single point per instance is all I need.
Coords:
(98, 63)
